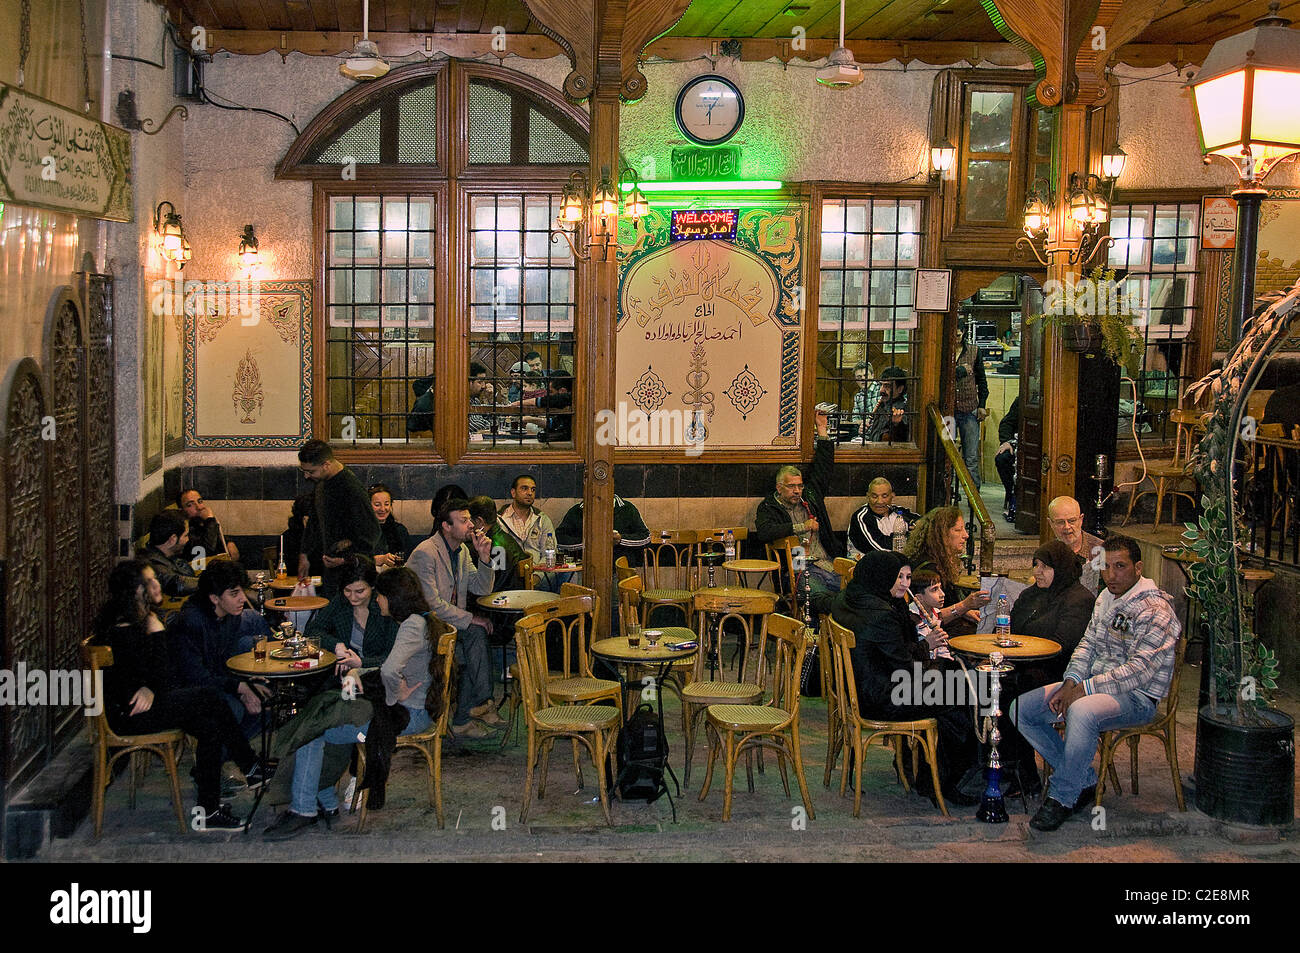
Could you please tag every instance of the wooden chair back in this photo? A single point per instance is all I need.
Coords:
(629, 601)
(443, 637)
(845, 568)
(623, 571)
(271, 558)
(842, 641)
(789, 645)
(667, 561)
(782, 551)
(713, 541)
(98, 658)
(574, 616)
(712, 613)
(525, 570)
(530, 650)
(1185, 422)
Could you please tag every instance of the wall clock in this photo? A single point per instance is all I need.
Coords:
(709, 109)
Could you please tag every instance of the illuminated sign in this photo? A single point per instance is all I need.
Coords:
(695, 223)
(697, 163)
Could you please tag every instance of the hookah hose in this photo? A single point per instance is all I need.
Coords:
(970, 681)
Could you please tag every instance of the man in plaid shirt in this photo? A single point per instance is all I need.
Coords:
(1122, 667)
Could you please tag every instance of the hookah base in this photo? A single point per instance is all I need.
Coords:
(992, 809)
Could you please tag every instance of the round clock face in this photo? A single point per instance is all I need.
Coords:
(710, 109)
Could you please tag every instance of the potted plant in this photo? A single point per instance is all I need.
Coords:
(1092, 314)
(1245, 750)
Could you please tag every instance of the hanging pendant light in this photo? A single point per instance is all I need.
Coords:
(840, 71)
(365, 61)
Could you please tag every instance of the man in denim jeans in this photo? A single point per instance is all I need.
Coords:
(1121, 669)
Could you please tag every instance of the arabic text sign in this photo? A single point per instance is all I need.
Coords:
(695, 162)
(56, 158)
(1219, 222)
(719, 223)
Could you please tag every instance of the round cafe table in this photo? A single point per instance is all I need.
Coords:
(284, 583)
(660, 657)
(281, 675)
(1031, 647)
(297, 603)
(744, 567)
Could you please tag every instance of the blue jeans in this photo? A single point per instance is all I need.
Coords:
(306, 790)
(968, 426)
(1085, 720)
(472, 654)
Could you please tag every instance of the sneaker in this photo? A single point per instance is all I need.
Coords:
(230, 787)
(221, 821)
(471, 730)
(288, 825)
(258, 775)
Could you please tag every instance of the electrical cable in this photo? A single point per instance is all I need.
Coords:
(237, 107)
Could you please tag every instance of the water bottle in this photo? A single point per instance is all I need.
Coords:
(548, 554)
(899, 536)
(1002, 624)
(729, 545)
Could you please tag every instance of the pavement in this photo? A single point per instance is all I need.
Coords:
(483, 784)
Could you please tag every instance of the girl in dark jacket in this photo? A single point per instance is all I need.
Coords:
(141, 697)
(872, 606)
(360, 635)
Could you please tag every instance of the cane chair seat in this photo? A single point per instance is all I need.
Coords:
(719, 693)
(580, 688)
(578, 717)
(747, 716)
(666, 596)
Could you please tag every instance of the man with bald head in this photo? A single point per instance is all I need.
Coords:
(874, 525)
(1066, 520)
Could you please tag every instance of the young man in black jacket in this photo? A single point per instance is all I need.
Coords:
(168, 536)
(1008, 430)
(344, 522)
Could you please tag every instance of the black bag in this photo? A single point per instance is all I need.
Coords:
(642, 757)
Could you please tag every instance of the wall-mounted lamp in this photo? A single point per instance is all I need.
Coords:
(175, 246)
(942, 157)
(1088, 206)
(248, 250)
(1112, 163)
(599, 211)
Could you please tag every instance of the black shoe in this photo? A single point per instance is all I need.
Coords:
(258, 775)
(220, 821)
(288, 825)
(1050, 816)
(230, 787)
(1086, 798)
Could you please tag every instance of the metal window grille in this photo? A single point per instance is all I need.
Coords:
(417, 125)
(870, 249)
(489, 124)
(380, 336)
(521, 302)
(359, 142)
(1156, 250)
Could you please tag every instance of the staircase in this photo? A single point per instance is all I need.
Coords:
(1014, 556)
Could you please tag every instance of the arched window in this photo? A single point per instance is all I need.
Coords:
(434, 191)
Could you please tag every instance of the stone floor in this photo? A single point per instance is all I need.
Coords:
(484, 785)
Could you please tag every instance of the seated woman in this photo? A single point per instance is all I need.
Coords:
(936, 542)
(361, 635)
(872, 606)
(140, 697)
(395, 542)
(404, 672)
(1057, 607)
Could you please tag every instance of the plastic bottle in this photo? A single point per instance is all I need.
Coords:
(548, 554)
(899, 540)
(729, 545)
(1002, 623)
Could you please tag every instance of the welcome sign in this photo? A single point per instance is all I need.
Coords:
(56, 158)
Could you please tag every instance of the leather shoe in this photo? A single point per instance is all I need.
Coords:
(1086, 798)
(1050, 816)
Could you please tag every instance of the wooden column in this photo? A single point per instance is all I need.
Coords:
(603, 40)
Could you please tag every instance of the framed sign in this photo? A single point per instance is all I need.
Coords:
(56, 158)
(1218, 222)
(933, 289)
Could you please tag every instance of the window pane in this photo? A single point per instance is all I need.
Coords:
(489, 124)
(986, 190)
(547, 142)
(417, 125)
(990, 121)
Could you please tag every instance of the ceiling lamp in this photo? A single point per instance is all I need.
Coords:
(365, 61)
(840, 71)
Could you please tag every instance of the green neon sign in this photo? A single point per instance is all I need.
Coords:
(736, 185)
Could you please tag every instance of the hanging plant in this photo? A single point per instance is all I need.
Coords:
(1094, 311)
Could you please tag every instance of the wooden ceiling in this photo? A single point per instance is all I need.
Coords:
(327, 26)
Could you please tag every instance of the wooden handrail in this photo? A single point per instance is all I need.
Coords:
(988, 532)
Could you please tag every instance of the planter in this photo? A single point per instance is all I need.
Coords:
(1245, 774)
(1081, 338)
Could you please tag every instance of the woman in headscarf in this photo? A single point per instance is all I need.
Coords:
(1057, 607)
(872, 606)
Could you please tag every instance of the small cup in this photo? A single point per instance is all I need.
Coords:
(634, 633)
(259, 651)
(313, 647)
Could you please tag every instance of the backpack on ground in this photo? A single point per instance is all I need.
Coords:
(642, 757)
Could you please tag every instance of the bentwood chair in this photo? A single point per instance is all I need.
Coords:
(830, 692)
(774, 725)
(782, 551)
(712, 544)
(427, 743)
(712, 614)
(166, 745)
(859, 732)
(667, 567)
(623, 571)
(1163, 726)
(593, 726)
(1167, 478)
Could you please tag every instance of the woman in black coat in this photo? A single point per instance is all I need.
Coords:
(872, 607)
(1056, 607)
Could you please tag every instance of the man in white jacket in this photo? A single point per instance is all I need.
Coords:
(1120, 670)
(447, 574)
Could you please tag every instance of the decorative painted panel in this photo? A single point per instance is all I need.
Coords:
(100, 520)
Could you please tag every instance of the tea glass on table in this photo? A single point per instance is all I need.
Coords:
(313, 646)
(634, 632)
(259, 650)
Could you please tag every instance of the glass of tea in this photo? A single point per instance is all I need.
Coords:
(259, 651)
(634, 632)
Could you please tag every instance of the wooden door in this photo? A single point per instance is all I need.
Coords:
(1029, 459)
